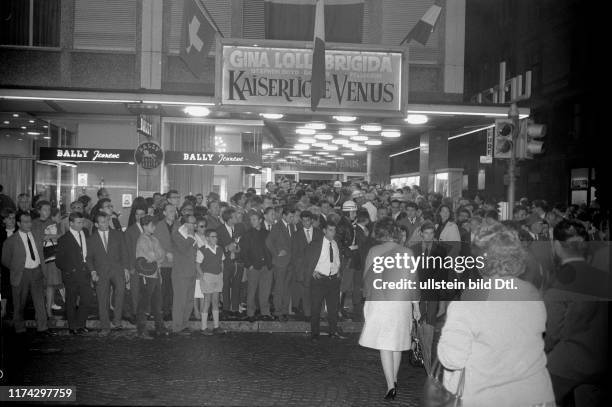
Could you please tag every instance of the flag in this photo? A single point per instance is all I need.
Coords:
(317, 80)
(294, 20)
(423, 29)
(198, 37)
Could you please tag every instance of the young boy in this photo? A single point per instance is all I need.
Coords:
(209, 261)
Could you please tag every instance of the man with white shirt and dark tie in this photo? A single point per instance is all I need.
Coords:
(107, 260)
(22, 254)
(269, 218)
(323, 262)
(71, 259)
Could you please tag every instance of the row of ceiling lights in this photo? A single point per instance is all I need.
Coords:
(32, 132)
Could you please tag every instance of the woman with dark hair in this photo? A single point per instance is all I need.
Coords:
(447, 231)
(388, 312)
(139, 203)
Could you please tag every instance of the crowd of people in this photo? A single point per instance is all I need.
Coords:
(300, 252)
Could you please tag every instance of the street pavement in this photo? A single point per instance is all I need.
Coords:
(236, 368)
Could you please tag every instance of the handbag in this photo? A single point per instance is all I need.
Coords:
(434, 392)
(145, 268)
(415, 354)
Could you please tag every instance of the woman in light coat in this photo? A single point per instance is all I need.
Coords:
(497, 335)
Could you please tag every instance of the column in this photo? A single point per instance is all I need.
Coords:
(433, 155)
(151, 44)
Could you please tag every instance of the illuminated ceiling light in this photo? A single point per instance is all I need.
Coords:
(340, 141)
(301, 146)
(350, 145)
(315, 126)
(337, 158)
(307, 155)
(391, 133)
(345, 118)
(281, 160)
(348, 132)
(358, 148)
(330, 148)
(272, 116)
(322, 153)
(31, 121)
(307, 140)
(197, 111)
(359, 138)
(373, 142)
(371, 127)
(15, 115)
(276, 152)
(319, 144)
(295, 152)
(33, 133)
(323, 136)
(266, 146)
(45, 127)
(23, 127)
(6, 122)
(47, 138)
(304, 132)
(416, 119)
(348, 154)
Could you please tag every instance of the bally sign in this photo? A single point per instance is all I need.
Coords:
(210, 158)
(86, 154)
(278, 76)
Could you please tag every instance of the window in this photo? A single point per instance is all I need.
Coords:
(481, 179)
(30, 23)
(105, 25)
(466, 181)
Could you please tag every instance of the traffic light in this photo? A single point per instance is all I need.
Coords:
(529, 139)
(502, 145)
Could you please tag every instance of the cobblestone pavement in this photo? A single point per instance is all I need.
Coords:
(244, 369)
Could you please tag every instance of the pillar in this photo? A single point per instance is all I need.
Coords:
(433, 155)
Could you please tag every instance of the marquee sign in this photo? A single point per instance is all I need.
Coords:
(86, 154)
(356, 78)
(212, 158)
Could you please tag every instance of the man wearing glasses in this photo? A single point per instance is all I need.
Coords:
(106, 206)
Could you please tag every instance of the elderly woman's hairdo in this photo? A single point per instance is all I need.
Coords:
(386, 229)
(504, 254)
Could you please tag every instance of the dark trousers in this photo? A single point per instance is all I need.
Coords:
(357, 295)
(32, 281)
(78, 286)
(232, 279)
(281, 291)
(150, 297)
(117, 279)
(327, 289)
(166, 287)
(130, 303)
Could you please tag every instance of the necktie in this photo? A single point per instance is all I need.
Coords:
(105, 240)
(289, 229)
(331, 253)
(81, 244)
(32, 255)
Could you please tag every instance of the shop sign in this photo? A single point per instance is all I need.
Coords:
(144, 126)
(82, 179)
(85, 154)
(149, 155)
(280, 76)
(212, 158)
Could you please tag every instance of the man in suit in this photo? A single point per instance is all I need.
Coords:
(76, 206)
(131, 238)
(279, 244)
(213, 220)
(163, 232)
(107, 260)
(258, 262)
(411, 221)
(323, 264)
(22, 254)
(7, 229)
(183, 273)
(228, 235)
(71, 259)
(303, 236)
(431, 325)
(363, 243)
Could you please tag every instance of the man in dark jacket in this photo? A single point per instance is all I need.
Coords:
(258, 262)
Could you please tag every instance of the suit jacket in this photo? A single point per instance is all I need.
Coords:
(364, 243)
(224, 239)
(253, 249)
(105, 262)
(279, 239)
(213, 222)
(14, 255)
(131, 239)
(68, 257)
(429, 300)
(165, 239)
(184, 255)
(299, 245)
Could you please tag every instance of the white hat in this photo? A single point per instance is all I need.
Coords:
(357, 193)
(349, 206)
(337, 184)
